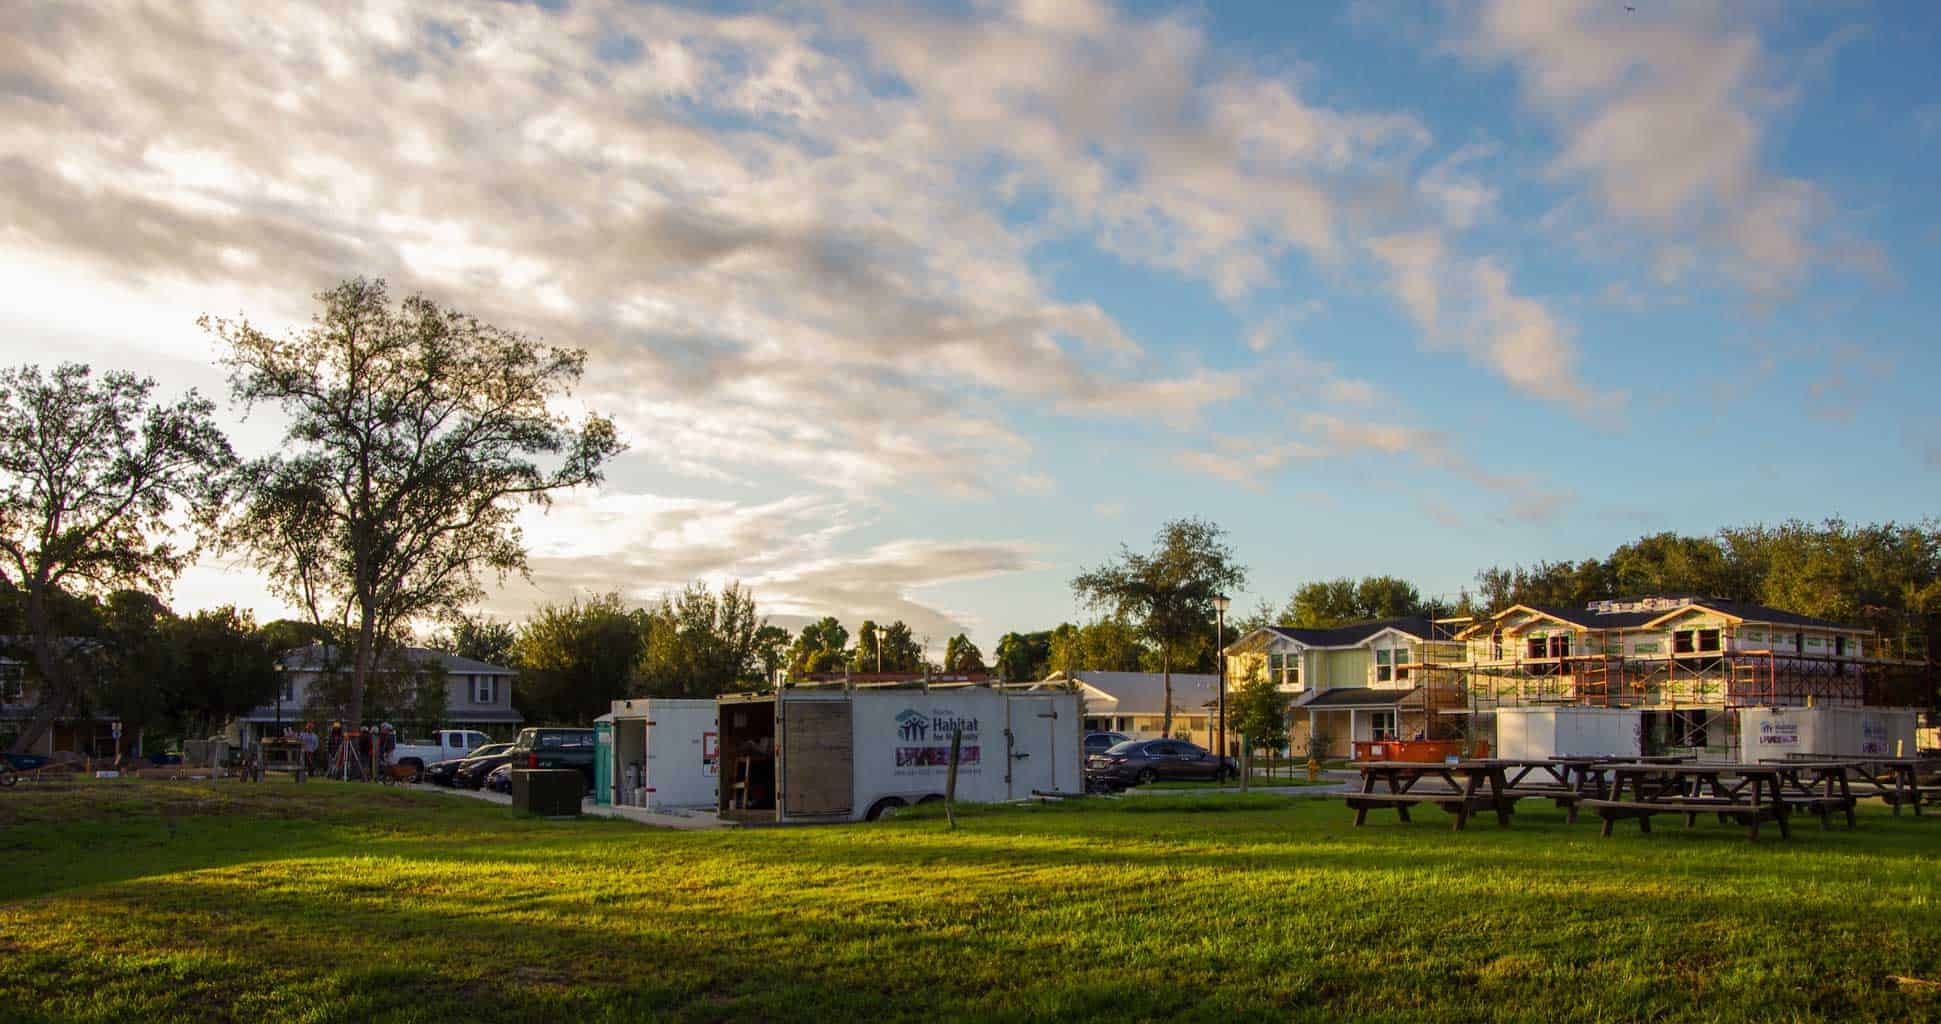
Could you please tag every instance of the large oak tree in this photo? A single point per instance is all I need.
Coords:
(416, 433)
(100, 488)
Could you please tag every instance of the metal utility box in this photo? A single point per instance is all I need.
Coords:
(832, 754)
(1537, 733)
(1844, 732)
(552, 792)
(656, 753)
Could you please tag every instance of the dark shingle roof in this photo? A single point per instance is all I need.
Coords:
(1354, 696)
(1738, 609)
(1354, 633)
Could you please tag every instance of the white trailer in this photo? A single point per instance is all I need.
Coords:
(661, 754)
(1844, 732)
(1538, 733)
(849, 754)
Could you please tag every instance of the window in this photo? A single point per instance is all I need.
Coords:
(1384, 668)
(1560, 645)
(289, 688)
(1708, 639)
(1383, 724)
(1683, 642)
(485, 689)
(1285, 669)
(1536, 647)
(13, 685)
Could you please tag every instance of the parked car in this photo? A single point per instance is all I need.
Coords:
(1137, 762)
(1100, 742)
(444, 773)
(471, 772)
(500, 780)
(443, 745)
(555, 747)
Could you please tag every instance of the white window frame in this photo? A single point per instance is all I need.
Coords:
(1375, 730)
(487, 684)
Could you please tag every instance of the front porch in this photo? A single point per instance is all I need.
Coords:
(1347, 715)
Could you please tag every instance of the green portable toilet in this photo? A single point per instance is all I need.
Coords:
(603, 759)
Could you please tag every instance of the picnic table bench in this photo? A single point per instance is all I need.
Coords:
(1746, 793)
(1459, 798)
(1912, 781)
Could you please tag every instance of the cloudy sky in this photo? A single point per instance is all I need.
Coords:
(913, 312)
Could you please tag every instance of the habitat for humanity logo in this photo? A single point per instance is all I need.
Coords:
(912, 725)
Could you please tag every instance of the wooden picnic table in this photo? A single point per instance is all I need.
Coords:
(1465, 793)
(1895, 780)
(1563, 780)
(1819, 787)
(1746, 793)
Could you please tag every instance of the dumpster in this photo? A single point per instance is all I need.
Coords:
(1425, 751)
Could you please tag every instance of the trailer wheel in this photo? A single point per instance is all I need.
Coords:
(884, 806)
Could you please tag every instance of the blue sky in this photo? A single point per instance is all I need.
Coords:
(916, 312)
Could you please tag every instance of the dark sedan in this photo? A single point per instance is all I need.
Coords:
(1138, 762)
(445, 773)
(471, 774)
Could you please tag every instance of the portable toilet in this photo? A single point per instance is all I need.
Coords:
(603, 759)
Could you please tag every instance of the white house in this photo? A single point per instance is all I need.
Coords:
(1134, 703)
(477, 695)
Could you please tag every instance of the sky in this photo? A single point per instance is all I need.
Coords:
(917, 311)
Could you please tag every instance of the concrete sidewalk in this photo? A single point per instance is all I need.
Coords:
(696, 821)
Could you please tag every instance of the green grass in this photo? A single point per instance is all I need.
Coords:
(341, 902)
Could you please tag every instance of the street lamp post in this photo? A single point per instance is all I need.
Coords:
(1220, 602)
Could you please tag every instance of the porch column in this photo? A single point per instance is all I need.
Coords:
(1351, 732)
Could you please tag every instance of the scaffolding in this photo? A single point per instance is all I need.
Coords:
(1727, 676)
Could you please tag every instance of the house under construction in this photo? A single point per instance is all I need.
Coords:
(1687, 663)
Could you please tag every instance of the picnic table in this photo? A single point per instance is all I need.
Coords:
(1564, 780)
(1745, 793)
(1458, 788)
(1895, 780)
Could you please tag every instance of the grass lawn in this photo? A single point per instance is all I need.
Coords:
(152, 901)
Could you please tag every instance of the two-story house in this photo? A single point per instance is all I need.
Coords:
(1684, 662)
(477, 695)
(85, 735)
(1355, 682)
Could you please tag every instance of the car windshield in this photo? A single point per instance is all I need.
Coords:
(1124, 748)
(491, 748)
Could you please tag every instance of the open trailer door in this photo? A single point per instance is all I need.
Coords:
(818, 759)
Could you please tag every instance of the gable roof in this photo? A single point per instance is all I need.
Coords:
(322, 657)
(1355, 633)
(1590, 618)
(1144, 693)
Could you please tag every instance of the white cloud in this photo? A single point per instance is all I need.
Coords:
(1662, 110)
(796, 554)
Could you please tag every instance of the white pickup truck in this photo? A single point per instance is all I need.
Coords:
(443, 744)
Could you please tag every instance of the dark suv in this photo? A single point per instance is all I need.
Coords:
(550, 747)
(1137, 762)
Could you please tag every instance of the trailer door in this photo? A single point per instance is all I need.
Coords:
(1034, 747)
(818, 759)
